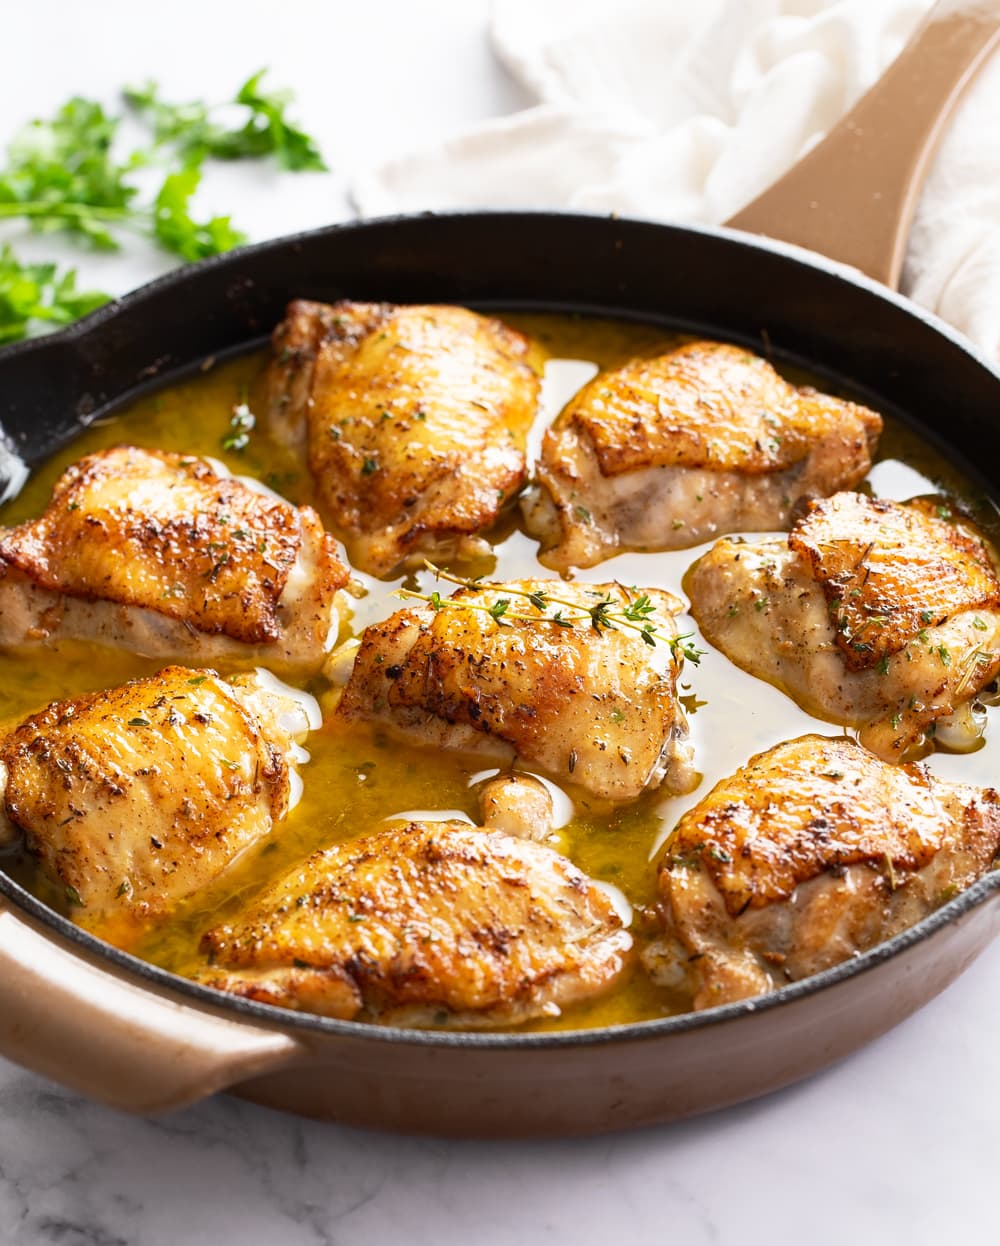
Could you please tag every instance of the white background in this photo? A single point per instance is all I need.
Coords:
(900, 1143)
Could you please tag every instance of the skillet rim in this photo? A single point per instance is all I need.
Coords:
(275, 1017)
(104, 318)
(124, 304)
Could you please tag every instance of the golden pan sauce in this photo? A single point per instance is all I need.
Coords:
(358, 776)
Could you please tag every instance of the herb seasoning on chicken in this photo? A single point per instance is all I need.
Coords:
(667, 452)
(413, 421)
(879, 615)
(812, 852)
(166, 555)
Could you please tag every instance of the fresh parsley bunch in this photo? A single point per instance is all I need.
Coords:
(63, 175)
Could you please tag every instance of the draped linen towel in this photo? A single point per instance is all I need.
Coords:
(685, 111)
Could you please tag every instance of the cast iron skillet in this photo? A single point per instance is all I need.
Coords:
(123, 1031)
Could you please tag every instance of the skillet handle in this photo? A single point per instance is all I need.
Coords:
(853, 195)
(104, 1035)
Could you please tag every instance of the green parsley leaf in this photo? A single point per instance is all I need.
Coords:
(63, 174)
(176, 229)
(294, 149)
(63, 177)
(34, 295)
(189, 129)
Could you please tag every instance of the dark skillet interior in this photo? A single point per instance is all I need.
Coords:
(875, 345)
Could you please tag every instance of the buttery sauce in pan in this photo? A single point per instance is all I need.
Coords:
(358, 777)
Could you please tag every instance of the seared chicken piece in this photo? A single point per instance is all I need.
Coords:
(425, 923)
(135, 798)
(666, 452)
(875, 614)
(414, 421)
(596, 707)
(161, 554)
(811, 853)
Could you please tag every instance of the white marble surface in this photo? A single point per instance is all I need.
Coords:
(899, 1143)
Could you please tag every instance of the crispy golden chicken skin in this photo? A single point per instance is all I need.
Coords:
(414, 421)
(879, 615)
(134, 798)
(425, 923)
(887, 570)
(161, 554)
(593, 707)
(664, 453)
(812, 852)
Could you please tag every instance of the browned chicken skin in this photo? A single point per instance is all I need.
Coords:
(159, 553)
(812, 852)
(134, 798)
(664, 453)
(875, 614)
(596, 708)
(413, 419)
(425, 923)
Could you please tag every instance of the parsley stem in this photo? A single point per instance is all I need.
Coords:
(80, 211)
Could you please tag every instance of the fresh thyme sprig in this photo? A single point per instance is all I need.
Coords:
(606, 614)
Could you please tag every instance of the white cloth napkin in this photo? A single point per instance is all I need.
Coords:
(684, 110)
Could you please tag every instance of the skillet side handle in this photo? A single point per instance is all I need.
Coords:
(852, 196)
(102, 1034)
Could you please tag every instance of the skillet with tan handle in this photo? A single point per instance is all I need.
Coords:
(129, 1034)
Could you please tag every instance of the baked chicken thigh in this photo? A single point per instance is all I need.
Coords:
(490, 669)
(667, 452)
(164, 555)
(425, 923)
(135, 798)
(812, 852)
(413, 420)
(879, 615)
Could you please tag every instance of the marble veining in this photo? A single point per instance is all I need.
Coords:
(899, 1140)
